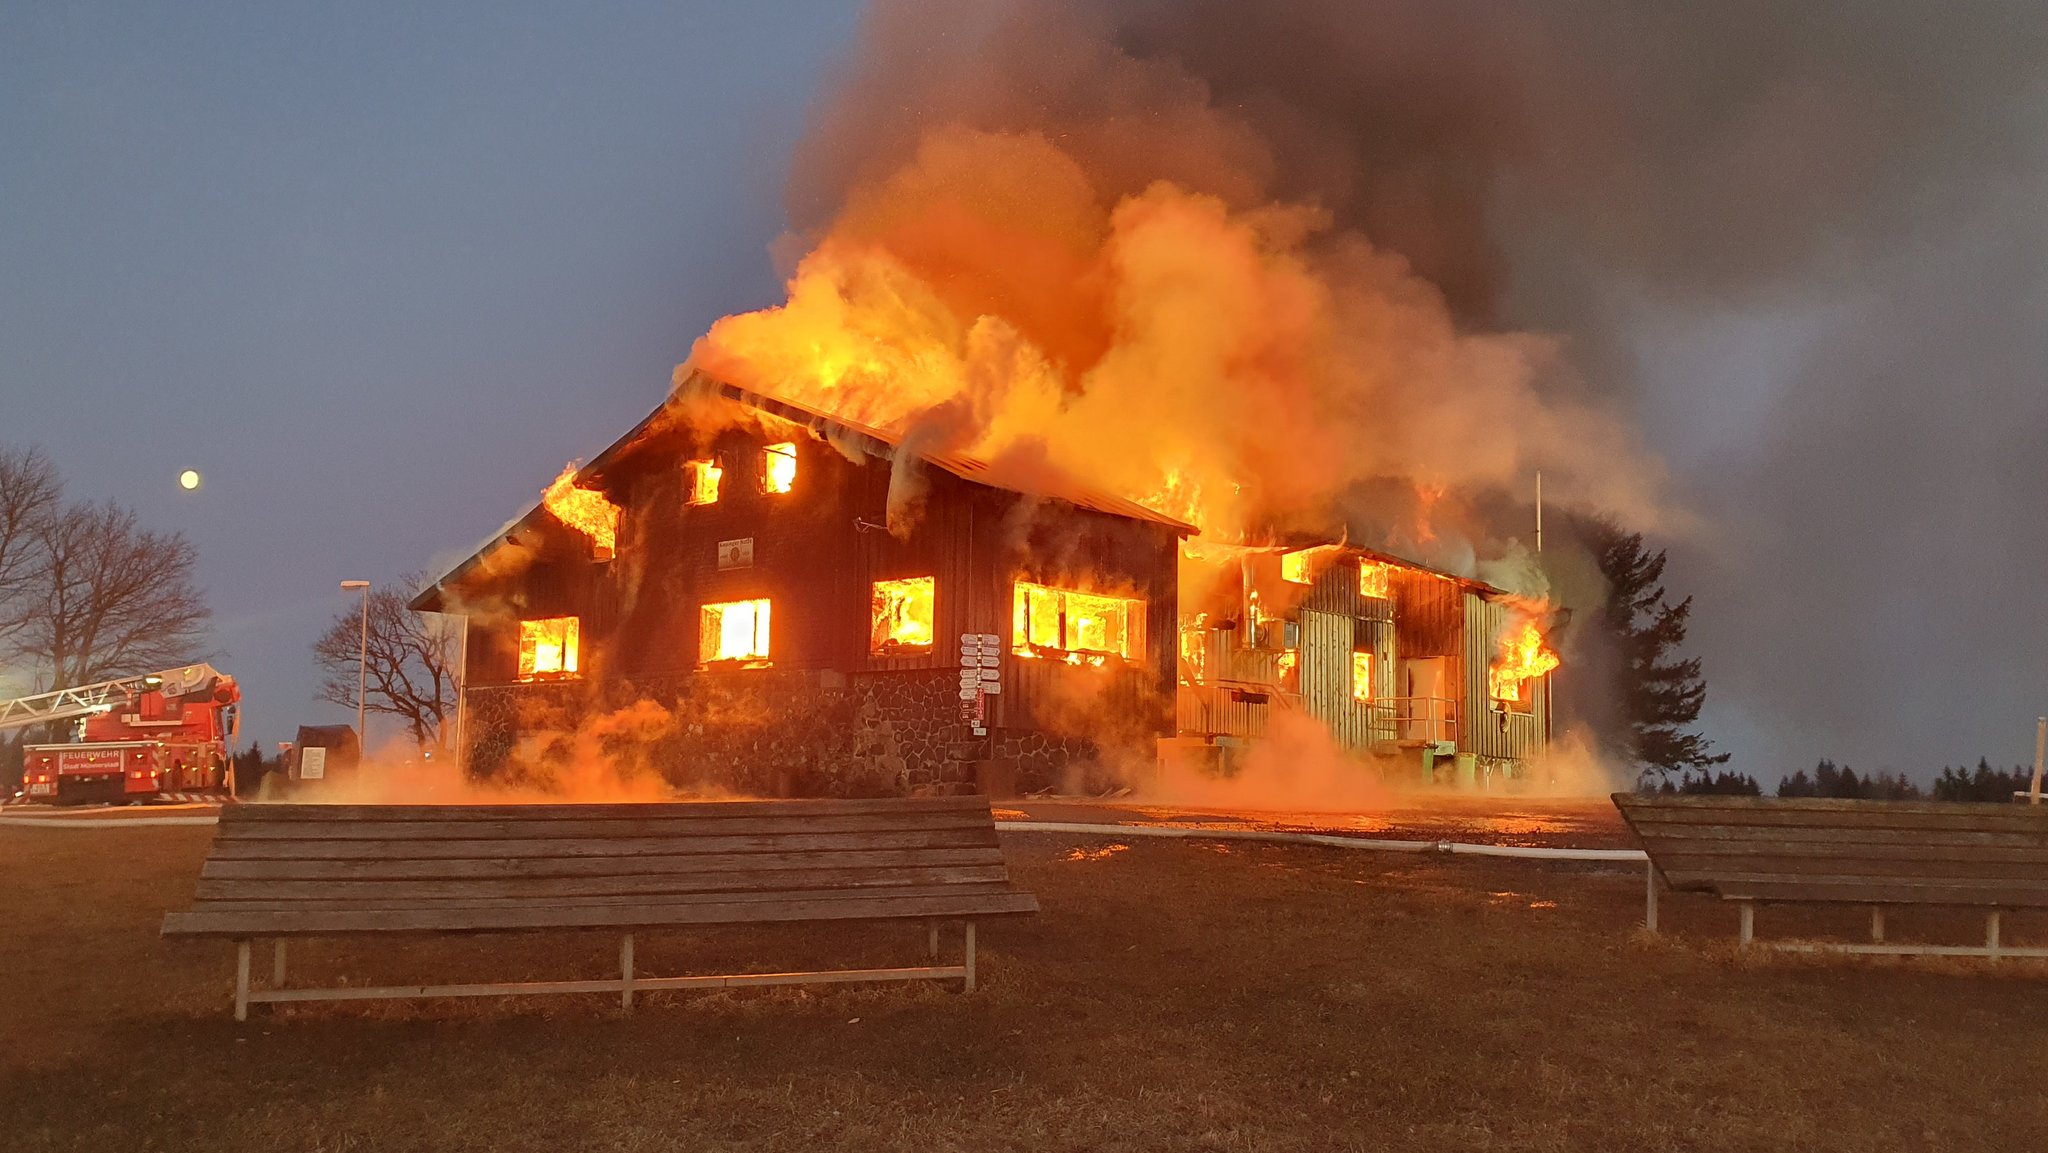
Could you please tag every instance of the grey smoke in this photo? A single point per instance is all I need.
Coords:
(1803, 242)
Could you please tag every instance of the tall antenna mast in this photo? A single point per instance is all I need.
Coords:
(1539, 512)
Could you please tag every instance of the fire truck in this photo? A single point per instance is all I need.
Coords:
(135, 737)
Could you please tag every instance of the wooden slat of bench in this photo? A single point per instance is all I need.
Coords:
(646, 915)
(289, 849)
(392, 903)
(543, 827)
(2002, 821)
(1652, 833)
(1888, 893)
(1674, 864)
(457, 867)
(771, 880)
(1709, 850)
(1818, 805)
(300, 813)
(1737, 878)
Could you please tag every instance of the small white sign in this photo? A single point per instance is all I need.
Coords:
(989, 675)
(968, 694)
(992, 687)
(736, 553)
(312, 763)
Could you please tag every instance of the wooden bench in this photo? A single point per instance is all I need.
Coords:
(283, 871)
(1756, 850)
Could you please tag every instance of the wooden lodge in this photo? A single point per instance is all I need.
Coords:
(806, 635)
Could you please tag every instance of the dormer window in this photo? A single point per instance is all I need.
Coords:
(778, 467)
(700, 480)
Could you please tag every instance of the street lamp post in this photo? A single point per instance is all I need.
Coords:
(362, 662)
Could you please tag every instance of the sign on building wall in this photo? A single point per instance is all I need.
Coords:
(981, 677)
(312, 763)
(736, 553)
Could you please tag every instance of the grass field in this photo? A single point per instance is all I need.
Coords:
(1173, 995)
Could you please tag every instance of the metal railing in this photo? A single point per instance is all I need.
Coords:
(1420, 719)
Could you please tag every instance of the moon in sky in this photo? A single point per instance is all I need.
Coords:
(189, 479)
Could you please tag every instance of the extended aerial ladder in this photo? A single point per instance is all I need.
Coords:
(103, 697)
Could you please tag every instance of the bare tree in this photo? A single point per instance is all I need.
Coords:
(29, 497)
(108, 598)
(410, 664)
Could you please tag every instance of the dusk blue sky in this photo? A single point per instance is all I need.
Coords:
(379, 270)
(376, 270)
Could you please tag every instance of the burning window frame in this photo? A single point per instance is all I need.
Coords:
(899, 602)
(586, 511)
(778, 468)
(712, 634)
(1522, 646)
(1362, 662)
(567, 646)
(1025, 630)
(1375, 579)
(702, 479)
(1295, 568)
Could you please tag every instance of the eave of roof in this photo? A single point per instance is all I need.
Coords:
(872, 441)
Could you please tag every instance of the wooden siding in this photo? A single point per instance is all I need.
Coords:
(1483, 732)
(817, 550)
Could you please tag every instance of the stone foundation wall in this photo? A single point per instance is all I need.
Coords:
(758, 732)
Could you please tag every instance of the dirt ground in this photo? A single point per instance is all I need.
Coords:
(1173, 995)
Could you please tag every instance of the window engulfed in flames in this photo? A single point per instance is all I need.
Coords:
(778, 467)
(1080, 628)
(1523, 657)
(1375, 579)
(1361, 676)
(902, 614)
(584, 510)
(734, 631)
(547, 648)
(702, 477)
(1294, 567)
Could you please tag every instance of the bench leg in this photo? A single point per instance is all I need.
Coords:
(277, 966)
(626, 972)
(1649, 896)
(1877, 924)
(241, 980)
(970, 957)
(1748, 931)
(1991, 934)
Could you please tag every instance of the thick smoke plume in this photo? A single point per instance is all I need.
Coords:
(1030, 243)
(1797, 243)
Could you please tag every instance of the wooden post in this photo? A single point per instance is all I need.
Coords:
(1748, 931)
(1877, 923)
(241, 980)
(1649, 896)
(970, 957)
(932, 945)
(1991, 933)
(626, 973)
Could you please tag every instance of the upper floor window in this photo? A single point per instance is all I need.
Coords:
(1361, 677)
(1076, 625)
(734, 631)
(547, 648)
(778, 467)
(1375, 579)
(700, 479)
(902, 615)
(1294, 567)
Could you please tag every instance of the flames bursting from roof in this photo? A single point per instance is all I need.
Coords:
(584, 510)
(1231, 362)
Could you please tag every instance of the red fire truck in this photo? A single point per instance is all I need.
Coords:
(136, 737)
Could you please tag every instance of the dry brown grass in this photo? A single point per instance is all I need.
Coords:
(1175, 995)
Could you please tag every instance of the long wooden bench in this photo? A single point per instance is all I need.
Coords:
(282, 871)
(1883, 854)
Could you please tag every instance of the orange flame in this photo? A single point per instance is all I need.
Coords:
(1523, 657)
(902, 614)
(584, 510)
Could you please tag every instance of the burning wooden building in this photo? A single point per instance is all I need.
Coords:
(781, 602)
(1436, 678)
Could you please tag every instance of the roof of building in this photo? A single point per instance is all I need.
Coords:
(874, 442)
